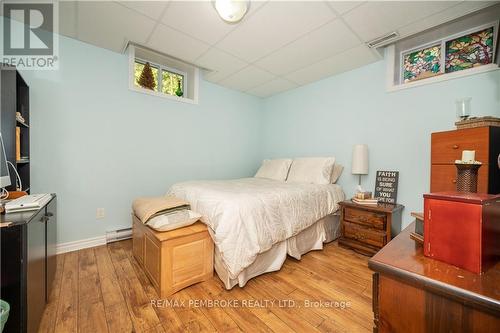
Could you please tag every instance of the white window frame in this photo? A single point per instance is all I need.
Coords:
(442, 42)
(185, 99)
(390, 50)
(160, 78)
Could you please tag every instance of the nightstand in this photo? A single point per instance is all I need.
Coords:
(366, 229)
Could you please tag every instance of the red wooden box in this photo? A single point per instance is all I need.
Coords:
(462, 229)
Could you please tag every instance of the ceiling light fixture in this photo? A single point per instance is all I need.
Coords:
(231, 11)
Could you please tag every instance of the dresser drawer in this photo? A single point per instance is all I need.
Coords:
(446, 147)
(356, 232)
(367, 218)
(444, 178)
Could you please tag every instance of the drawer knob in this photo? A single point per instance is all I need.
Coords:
(454, 181)
(455, 146)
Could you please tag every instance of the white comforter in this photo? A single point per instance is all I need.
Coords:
(248, 216)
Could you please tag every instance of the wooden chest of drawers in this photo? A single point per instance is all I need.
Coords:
(366, 229)
(446, 147)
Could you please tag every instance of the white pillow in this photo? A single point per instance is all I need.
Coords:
(313, 170)
(274, 169)
(337, 171)
(174, 220)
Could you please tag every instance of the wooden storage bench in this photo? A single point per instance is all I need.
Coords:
(173, 259)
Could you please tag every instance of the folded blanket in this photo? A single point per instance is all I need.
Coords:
(173, 220)
(148, 207)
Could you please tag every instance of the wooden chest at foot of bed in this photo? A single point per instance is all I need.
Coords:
(174, 259)
(366, 229)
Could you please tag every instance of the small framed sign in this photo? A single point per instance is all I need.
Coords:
(386, 186)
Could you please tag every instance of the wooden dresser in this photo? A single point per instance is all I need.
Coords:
(414, 293)
(446, 147)
(366, 229)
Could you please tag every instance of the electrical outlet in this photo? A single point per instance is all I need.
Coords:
(100, 213)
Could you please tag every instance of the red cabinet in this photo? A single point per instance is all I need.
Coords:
(462, 229)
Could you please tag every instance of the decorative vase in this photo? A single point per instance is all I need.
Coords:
(463, 108)
(467, 177)
(179, 91)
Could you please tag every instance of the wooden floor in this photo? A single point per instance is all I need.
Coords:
(103, 289)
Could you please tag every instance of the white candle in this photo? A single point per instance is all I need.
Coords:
(468, 156)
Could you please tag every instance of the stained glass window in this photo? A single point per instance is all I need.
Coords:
(469, 51)
(423, 63)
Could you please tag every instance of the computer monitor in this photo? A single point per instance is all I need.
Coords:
(4, 167)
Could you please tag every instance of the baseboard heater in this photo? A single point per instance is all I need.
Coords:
(118, 235)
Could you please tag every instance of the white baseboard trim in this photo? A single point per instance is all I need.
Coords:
(121, 234)
(80, 244)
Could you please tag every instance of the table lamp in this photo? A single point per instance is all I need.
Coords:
(360, 162)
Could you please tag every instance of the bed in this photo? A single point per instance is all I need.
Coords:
(256, 222)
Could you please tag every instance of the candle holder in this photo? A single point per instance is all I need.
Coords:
(463, 108)
(467, 177)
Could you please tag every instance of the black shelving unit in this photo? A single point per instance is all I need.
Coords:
(28, 265)
(15, 98)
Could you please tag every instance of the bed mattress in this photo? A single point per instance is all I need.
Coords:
(247, 217)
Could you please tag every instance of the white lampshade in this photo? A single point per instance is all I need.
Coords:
(231, 11)
(360, 160)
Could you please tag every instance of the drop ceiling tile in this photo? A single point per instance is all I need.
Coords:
(322, 43)
(197, 19)
(247, 78)
(447, 15)
(215, 76)
(350, 59)
(375, 19)
(95, 26)
(219, 62)
(299, 41)
(67, 18)
(344, 6)
(151, 9)
(274, 25)
(176, 44)
(272, 87)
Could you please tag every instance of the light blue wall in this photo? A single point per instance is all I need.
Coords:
(330, 116)
(97, 144)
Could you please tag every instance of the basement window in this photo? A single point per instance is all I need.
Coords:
(463, 47)
(463, 51)
(161, 75)
(171, 82)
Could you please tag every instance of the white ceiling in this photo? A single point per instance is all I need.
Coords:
(276, 47)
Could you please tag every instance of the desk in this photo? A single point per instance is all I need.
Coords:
(28, 264)
(414, 293)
